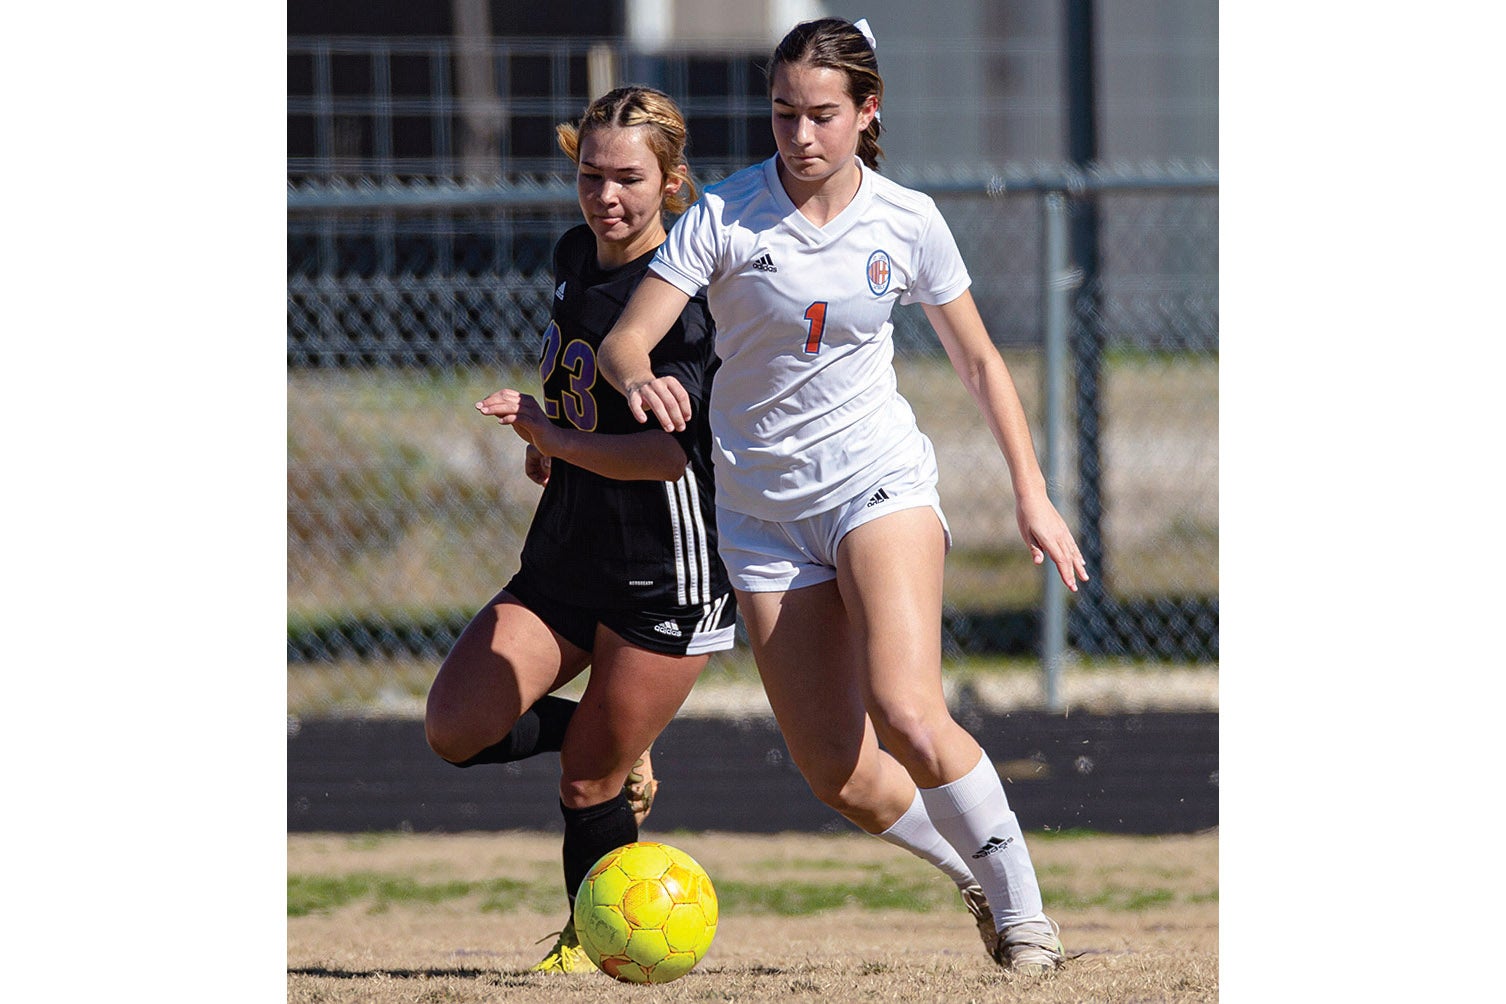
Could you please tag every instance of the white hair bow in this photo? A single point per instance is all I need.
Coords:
(861, 24)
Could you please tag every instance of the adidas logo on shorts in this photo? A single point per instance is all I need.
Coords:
(876, 498)
(668, 627)
(559, 293)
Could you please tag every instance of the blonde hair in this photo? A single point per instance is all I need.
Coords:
(835, 44)
(636, 105)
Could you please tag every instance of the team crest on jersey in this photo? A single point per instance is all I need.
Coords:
(878, 272)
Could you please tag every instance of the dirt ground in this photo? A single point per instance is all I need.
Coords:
(1140, 915)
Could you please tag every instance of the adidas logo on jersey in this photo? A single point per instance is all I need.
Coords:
(668, 627)
(876, 498)
(765, 264)
(559, 294)
(994, 846)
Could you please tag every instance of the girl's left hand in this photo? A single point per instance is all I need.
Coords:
(536, 465)
(1047, 534)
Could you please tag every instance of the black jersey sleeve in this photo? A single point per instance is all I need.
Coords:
(688, 353)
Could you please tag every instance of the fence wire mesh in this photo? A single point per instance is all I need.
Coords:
(406, 510)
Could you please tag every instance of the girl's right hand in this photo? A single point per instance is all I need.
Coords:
(522, 413)
(664, 397)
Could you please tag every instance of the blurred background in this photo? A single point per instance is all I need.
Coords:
(1072, 147)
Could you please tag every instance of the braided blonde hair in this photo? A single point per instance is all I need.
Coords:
(636, 105)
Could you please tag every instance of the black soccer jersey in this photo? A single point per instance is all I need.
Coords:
(599, 541)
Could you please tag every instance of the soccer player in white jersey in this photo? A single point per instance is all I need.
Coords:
(830, 524)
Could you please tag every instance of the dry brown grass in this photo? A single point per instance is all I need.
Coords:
(1140, 913)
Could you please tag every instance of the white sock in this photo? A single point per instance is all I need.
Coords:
(973, 815)
(915, 832)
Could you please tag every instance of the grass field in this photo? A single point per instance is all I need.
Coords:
(455, 919)
(402, 501)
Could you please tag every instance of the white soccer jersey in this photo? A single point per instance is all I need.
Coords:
(805, 411)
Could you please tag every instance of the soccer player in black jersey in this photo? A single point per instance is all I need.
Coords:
(619, 571)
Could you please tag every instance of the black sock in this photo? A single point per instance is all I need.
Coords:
(591, 832)
(540, 729)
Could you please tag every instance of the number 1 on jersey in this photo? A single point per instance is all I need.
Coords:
(816, 315)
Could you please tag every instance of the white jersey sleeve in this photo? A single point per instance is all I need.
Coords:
(689, 256)
(941, 274)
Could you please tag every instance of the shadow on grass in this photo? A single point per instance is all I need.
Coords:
(500, 977)
(497, 977)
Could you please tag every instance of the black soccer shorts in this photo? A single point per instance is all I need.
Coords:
(694, 629)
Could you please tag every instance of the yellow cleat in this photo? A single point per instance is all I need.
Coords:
(566, 956)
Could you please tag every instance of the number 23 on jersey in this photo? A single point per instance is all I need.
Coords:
(579, 364)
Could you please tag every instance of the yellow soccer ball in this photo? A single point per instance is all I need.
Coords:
(646, 913)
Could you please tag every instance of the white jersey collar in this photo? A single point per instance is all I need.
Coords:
(837, 225)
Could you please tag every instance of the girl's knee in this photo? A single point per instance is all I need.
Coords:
(846, 792)
(905, 729)
(450, 743)
(457, 735)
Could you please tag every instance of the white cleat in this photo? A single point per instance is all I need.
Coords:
(1031, 948)
(977, 905)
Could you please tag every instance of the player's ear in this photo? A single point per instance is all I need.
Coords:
(676, 181)
(868, 111)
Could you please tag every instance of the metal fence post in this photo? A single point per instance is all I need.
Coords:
(1056, 286)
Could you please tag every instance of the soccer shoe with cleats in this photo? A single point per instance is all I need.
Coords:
(1031, 948)
(641, 787)
(566, 956)
(977, 905)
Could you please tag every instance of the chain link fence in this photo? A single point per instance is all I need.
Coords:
(409, 301)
